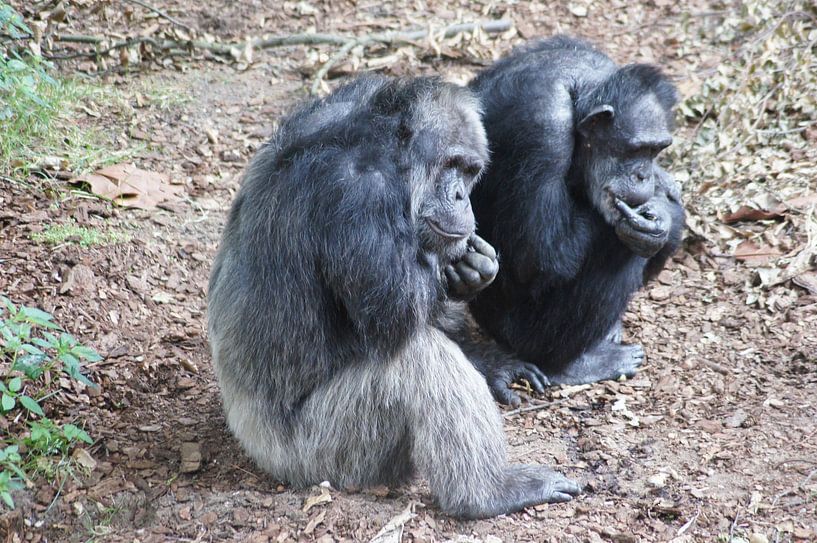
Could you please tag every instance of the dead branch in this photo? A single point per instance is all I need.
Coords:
(346, 43)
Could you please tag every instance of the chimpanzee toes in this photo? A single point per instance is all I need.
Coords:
(632, 356)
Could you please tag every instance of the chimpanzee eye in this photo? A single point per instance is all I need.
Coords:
(473, 169)
(467, 166)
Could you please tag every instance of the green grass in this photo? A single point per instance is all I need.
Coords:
(38, 120)
(56, 234)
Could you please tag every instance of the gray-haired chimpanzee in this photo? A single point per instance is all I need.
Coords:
(576, 206)
(326, 292)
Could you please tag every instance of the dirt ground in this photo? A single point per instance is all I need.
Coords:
(714, 440)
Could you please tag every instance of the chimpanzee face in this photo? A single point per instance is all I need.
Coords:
(623, 145)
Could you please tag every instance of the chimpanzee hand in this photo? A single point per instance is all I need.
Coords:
(645, 229)
(666, 184)
(475, 271)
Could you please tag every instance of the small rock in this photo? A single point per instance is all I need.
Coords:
(758, 538)
(659, 480)
(660, 293)
(577, 10)
(241, 516)
(184, 513)
(79, 279)
(737, 419)
(709, 426)
(162, 298)
(209, 518)
(150, 428)
(230, 155)
(212, 135)
(774, 402)
(191, 457)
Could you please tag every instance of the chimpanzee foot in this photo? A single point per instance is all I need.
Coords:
(605, 361)
(524, 486)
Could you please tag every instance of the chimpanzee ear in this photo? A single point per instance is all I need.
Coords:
(603, 113)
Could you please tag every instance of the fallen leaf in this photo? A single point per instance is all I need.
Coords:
(128, 186)
(312, 524)
(746, 213)
(312, 501)
(753, 254)
(807, 280)
(84, 459)
(392, 532)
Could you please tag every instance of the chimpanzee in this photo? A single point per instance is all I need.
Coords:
(577, 208)
(326, 292)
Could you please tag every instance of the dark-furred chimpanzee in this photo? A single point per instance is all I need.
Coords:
(325, 294)
(576, 206)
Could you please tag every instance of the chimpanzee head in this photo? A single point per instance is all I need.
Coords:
(624, 123)
(445, 149)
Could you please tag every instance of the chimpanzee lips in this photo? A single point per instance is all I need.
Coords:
(445, 233)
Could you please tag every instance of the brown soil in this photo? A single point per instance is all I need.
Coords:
(715, 437)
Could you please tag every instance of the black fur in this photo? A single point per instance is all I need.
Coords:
(559, 117)
(327, 290)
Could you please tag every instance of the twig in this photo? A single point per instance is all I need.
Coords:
(162, 14)
(734, 525)
(334, 59)
(534, 407)
(795, 461)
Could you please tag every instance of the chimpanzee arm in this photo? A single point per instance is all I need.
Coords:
(370, 258)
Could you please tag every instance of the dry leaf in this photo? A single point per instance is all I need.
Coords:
(807, 280)
(129, 186)
(392, 532)
(312, 501)
(84, 459)
(754, 254)
(312, 524)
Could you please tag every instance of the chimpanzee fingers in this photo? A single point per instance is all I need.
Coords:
(455, 282)
(470, 276)
(500, 388)
(645, 219)
(482, 246)
(486, 267)
(631, 216)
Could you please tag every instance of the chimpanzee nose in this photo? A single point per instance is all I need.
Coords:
(460, 194)
(641, 176)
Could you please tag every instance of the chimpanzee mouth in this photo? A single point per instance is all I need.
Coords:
(445, 233)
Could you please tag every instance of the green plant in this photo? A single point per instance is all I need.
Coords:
(33, 351)
(11, 474)
(38, 112)
(46, 438)
(31, 347)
